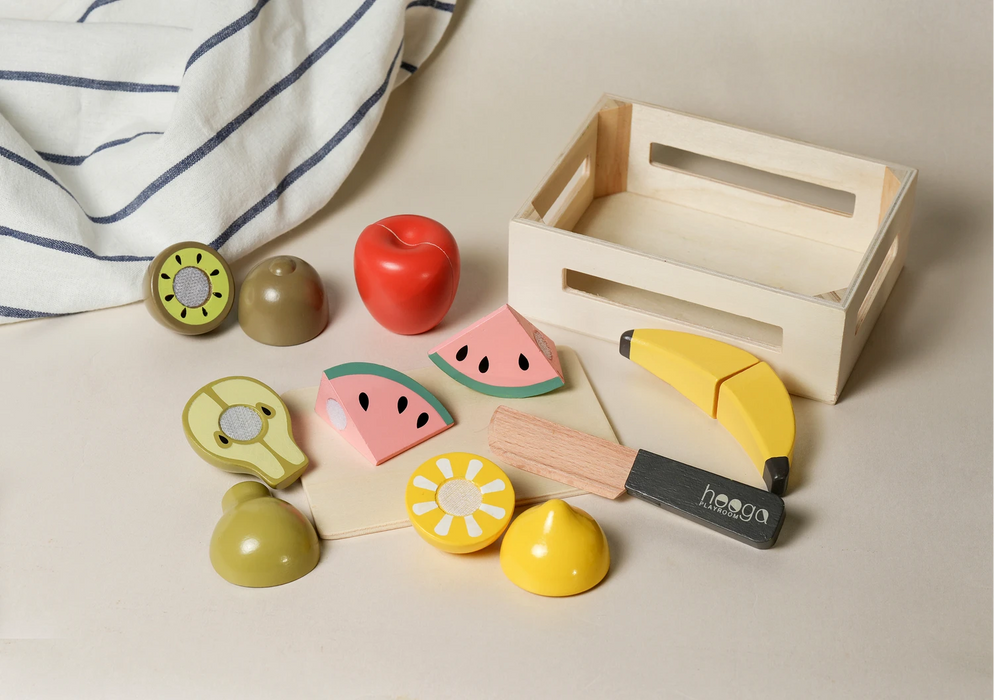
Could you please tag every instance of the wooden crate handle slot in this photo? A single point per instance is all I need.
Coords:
(758, 180)
(569, 188)
(878, 282)
(754, 178)
(695, 318)
(553, 213)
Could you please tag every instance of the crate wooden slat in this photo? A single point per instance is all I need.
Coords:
(615, 239)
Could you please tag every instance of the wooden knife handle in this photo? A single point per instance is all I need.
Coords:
(748, 514)
(560, 453)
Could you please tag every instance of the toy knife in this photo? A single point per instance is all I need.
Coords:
(743, 512)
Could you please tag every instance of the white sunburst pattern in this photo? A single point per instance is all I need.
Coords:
(460, 497)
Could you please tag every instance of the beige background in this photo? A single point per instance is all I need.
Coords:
(881, 584)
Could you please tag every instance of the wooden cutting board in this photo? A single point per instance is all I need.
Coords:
(350, 497)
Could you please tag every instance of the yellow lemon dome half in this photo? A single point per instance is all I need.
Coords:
(555, 550)
(459, 502)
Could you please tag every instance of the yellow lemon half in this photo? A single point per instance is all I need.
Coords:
(459, 502)
(555, 550)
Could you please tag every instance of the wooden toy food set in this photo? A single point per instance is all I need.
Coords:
(656, 219)
(776, 255)
(351, 498)
(462, 502)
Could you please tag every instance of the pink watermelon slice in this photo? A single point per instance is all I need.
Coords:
(502, 355)
(380, 411)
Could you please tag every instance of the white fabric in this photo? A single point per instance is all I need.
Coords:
(129, 125)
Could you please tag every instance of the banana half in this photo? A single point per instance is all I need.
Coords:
(727, 383)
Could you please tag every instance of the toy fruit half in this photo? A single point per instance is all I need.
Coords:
(555, 550)
(727, 383)
(260, 540)
(240, 425)
(188, 288)
(282, 302)
(459, 502)
(502, 355)
(380, 412)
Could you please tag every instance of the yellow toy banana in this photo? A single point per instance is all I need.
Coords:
(727, 383)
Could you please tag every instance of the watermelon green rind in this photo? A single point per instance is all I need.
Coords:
(504, 392)
(392, 374)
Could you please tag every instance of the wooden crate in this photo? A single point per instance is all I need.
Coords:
(656, 219)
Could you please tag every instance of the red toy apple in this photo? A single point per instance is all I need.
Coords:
(407, 272)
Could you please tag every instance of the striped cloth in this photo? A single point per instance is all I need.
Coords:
(129, 125)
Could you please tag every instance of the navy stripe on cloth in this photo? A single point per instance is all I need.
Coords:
(241, 221)
(409, 67)
(230, 128)
(78, 160)
(88, 83)
(313, 160)
(13, 312)
(94, 5)
(36, 169)
(232, 29)
(67, 247)
(443, 6)
(235, 226)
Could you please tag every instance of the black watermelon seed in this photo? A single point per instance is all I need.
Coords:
(462, 352)
(522, 362)
(217, 294)
(267, 411)
(223, 439)
(215, 272)
(364, 400)
(164, 276)
(182, 314)
(422, 419)
(484, 365)
(401, 404)
(204, 310)
(199, 256)
(169, 297)
(179, 259)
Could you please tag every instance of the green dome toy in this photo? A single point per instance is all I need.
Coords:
(262, 541)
